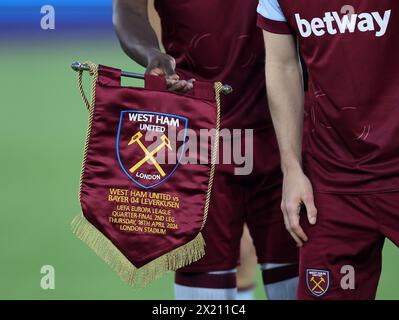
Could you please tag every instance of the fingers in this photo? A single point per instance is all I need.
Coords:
(173, 77)
(297, 191)
(308, 201)
(164, 65)
(291, 211)
(287, 226)
(298, 241)
(294, 226)
(172, 82)
(161, 72)
(156, 72)
(180, 85)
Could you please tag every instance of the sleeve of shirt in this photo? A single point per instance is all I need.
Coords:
(271, 17)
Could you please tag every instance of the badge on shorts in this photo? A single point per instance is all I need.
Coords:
(318, 281)
(138, 157)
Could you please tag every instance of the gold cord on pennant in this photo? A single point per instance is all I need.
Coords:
(90, 107)
(215, 151)
(93, 70)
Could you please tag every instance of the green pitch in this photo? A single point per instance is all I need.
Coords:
(42, 131)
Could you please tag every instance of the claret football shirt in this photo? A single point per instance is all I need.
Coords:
(351, 49)
(218, 40)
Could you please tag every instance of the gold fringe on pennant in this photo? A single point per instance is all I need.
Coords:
(105, 249)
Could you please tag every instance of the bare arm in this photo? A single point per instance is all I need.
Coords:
(285, 94)
(139, 41)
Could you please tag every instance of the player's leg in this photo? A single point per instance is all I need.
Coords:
(247, 268)
(214, 276)
(217, 285)
(280, 280)
(342, 259)
(276, 250)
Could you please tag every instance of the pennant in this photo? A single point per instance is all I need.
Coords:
(142, 208)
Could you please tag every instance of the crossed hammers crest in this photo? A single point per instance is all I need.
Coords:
(149, 155)
(317, 284)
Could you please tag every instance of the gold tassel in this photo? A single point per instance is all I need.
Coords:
(105, 249)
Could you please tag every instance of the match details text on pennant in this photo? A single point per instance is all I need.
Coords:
(143, 211)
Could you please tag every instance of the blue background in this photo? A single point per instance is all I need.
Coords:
(22, 18)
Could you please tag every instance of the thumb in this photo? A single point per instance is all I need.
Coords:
(310, 208)
(169, 67)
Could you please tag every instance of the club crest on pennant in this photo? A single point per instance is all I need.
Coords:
(318, 281)
(150, 145)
